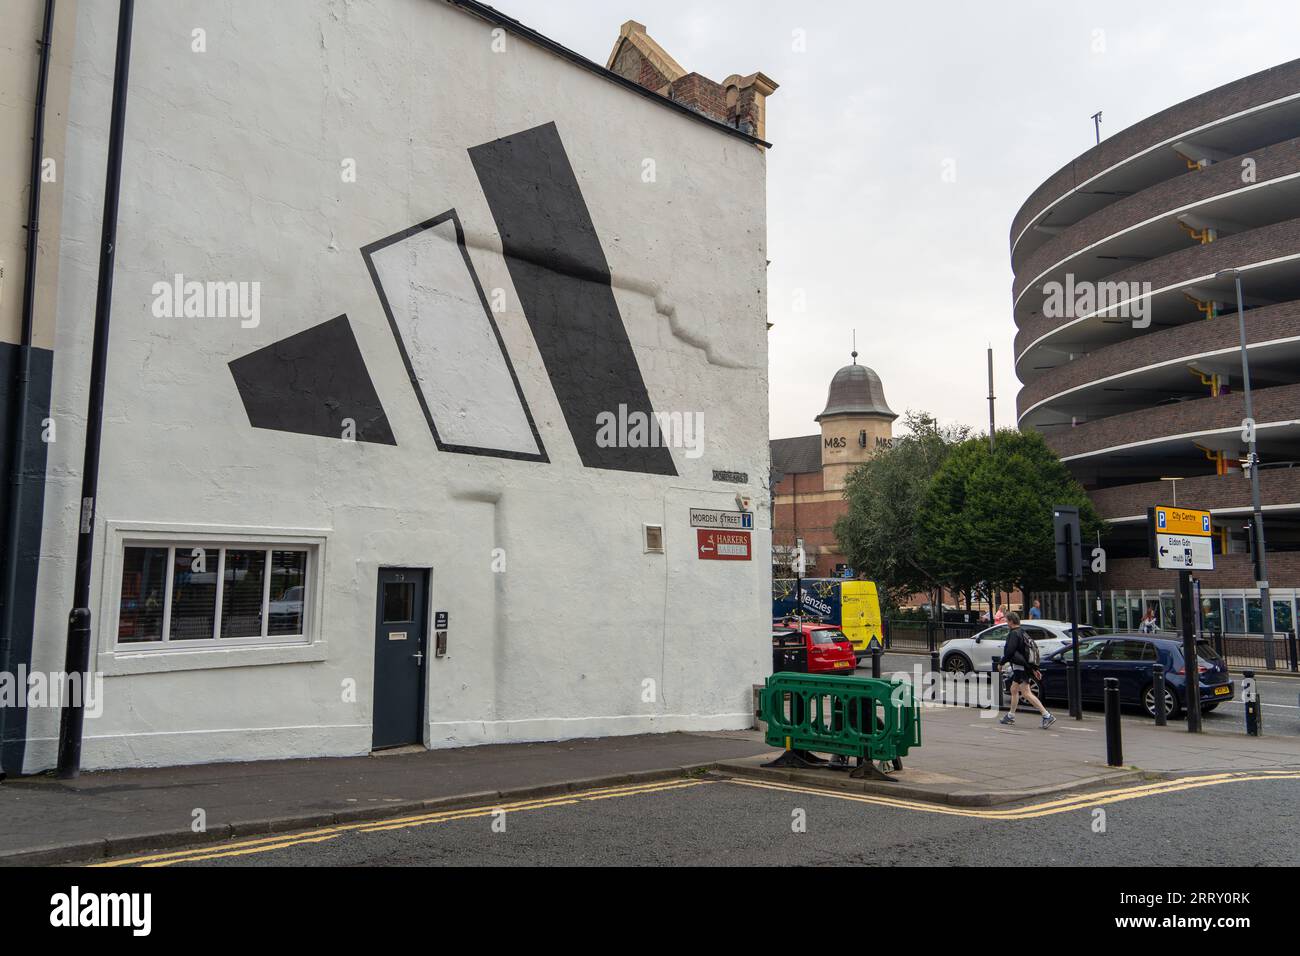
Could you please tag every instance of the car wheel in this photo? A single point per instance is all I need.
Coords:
(957, 663)
(1171, 701)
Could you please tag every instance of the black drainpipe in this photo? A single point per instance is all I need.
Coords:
(22, 399)
(79, 632)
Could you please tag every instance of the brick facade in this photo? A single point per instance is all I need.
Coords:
(1265, 324)
(1231, 571)
(1282, 159)
(1206, 414)
(1210, 492)
(1263, 87)
(1257, 245)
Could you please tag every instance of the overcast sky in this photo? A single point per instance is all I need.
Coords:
(859, 216)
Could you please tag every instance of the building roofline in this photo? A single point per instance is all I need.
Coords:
(492, 15)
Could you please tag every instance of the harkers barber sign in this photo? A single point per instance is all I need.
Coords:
(722, 545)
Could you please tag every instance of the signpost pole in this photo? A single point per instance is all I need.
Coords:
(1190, 662)
(1068, 535)
(1071, 559)
(1182, 539)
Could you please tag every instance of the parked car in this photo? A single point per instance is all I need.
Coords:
(286, 611)
(1131, 658)
(964, 654)
(829, 649)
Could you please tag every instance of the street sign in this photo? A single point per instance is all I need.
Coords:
(727, 520)
(715, 545)
(1184, 552)
(1182, 521)
(1181, 539)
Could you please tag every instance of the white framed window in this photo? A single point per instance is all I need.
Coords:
(183, 595)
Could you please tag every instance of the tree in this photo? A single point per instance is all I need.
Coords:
(879, 533)
(987, 515)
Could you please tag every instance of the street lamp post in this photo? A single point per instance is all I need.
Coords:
(1252, 465)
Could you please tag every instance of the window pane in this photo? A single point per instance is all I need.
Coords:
(1121, 614)
(1234, 616)
(144, 587)
(1254, 616)
(399, 602)
(1168, 613)
(1282, 620)
(241, 593)
(194, 593)
(288, 587)
(1211, 619)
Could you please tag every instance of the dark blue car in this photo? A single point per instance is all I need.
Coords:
(1131, 658)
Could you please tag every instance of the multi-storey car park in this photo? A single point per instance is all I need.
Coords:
(1128, 341)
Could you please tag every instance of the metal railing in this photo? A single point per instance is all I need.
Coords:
(904, 635)
(1250, 650)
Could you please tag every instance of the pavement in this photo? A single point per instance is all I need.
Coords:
(105, 813)
(965, 760)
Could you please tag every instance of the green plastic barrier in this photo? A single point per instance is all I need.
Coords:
(864, 717)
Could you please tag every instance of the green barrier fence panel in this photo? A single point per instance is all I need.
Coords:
(864, 717)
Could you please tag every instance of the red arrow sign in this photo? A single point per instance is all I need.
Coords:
(722, 545)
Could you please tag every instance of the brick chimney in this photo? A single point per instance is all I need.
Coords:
(738, 101)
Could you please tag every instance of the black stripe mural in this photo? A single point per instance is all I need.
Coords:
(313, 383)
(563, 282)
(449, 341)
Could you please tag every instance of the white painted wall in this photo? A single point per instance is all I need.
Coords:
(232, 171)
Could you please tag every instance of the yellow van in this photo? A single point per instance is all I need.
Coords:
(852, 605)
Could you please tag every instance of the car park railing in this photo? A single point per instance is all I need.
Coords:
(905, 635)
(1251, 650)
(862, 717)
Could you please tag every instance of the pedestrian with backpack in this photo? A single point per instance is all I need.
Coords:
(1021, 653)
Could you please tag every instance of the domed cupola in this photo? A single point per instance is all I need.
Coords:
(856, 390)
(856, 423)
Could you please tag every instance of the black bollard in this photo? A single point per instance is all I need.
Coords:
(1250, 697)
(936, 676)
(997, 679)
(1158, 693)
(875, 662)
(1114, 742)
(1292, 650)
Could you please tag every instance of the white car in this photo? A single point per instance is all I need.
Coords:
(964, 654)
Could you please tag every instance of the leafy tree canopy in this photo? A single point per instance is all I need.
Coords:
(987, 515)
(885, 494)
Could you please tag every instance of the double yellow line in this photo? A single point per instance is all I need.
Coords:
(325, 834)
(1048, 808)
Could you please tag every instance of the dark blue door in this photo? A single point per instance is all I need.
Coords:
(400, 647)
